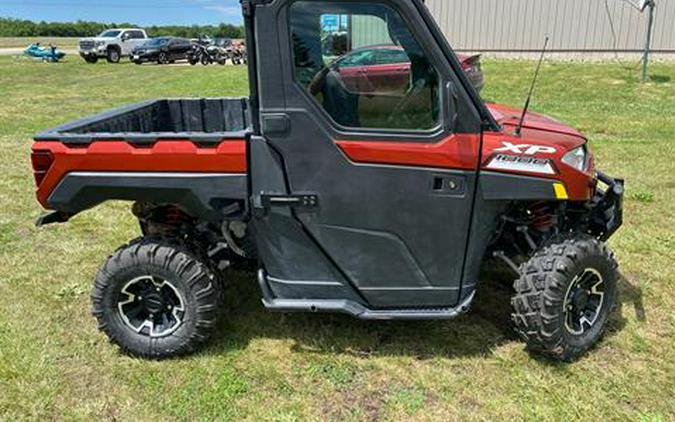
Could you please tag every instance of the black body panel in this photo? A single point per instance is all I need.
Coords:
(512, 187)
(202, 195)
(300, 269)
(204, 121)
(382, 230)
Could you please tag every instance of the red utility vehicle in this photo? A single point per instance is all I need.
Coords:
(378, 203)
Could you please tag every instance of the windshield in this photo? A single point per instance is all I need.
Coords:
(155, 42)
(109, 34)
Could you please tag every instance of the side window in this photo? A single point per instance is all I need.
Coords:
(391, 56)
(357, 58)
(138, 35)
(336, 50)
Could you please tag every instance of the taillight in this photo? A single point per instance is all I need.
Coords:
(472, 64)
(41, 161)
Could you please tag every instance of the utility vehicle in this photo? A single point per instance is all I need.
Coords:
(375, 202)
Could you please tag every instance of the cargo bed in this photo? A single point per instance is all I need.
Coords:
(206, 120)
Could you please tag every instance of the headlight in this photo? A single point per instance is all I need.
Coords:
(577, 158)
(100, 43)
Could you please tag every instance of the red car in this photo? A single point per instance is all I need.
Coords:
(387, 68)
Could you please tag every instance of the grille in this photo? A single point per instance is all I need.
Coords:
(87, 45)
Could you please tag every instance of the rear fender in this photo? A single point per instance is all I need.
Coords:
(207, 196)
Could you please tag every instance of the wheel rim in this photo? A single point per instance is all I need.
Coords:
(151, 306)
(583, 301)
(114, 56)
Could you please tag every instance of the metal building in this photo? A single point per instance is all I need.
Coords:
(574, 26)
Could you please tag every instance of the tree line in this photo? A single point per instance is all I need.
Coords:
(24, 28)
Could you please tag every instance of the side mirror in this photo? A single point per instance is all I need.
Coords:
(450, 105)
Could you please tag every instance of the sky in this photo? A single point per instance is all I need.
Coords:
(140, 12)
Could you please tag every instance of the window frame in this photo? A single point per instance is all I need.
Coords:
(440, 128)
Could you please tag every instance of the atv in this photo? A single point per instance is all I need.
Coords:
(375, 194)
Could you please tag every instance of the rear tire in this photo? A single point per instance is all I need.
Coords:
(564, 297)
(157, 298)
(113, 55)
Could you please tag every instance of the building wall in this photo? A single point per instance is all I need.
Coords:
(572, 25)
(369, 30)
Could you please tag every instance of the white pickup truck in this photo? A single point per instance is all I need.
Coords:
(112, 44)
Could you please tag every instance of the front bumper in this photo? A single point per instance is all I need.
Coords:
(606, 214)
(92, 53)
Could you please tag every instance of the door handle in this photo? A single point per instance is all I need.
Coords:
(277, 123)
(305, 201)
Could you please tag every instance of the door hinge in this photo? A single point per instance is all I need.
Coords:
(246, 7)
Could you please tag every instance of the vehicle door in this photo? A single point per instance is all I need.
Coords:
(138, 39)
(185, 47)
(374, 196)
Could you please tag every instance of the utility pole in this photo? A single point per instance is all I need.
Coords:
(648, 45)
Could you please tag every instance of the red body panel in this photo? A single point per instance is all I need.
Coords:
(580, 185)
(229, 156)
(455, 152)
(540, 130)
(462, 151)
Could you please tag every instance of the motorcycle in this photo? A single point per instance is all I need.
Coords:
(50, 54)
(219, 50)
(237, 54)
(198, 54)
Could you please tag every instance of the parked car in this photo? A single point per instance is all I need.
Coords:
(162, 50)
(388, 66)
(112, 44)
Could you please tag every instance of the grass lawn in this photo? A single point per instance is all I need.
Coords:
(54, 364)
(22, 42)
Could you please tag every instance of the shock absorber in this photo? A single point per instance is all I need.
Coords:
(542, 217)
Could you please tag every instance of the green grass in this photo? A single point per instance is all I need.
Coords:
(261, 366)
(22, 42)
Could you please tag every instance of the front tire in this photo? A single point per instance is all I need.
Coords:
(564, 297)
(156, 298)
(113, 55)
(163, 58)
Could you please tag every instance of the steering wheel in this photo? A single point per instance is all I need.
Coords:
(317, 82)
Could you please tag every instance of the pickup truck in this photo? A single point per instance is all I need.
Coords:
(112, 44)
(375, 202)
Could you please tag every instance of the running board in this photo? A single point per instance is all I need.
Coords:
(357, 310)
